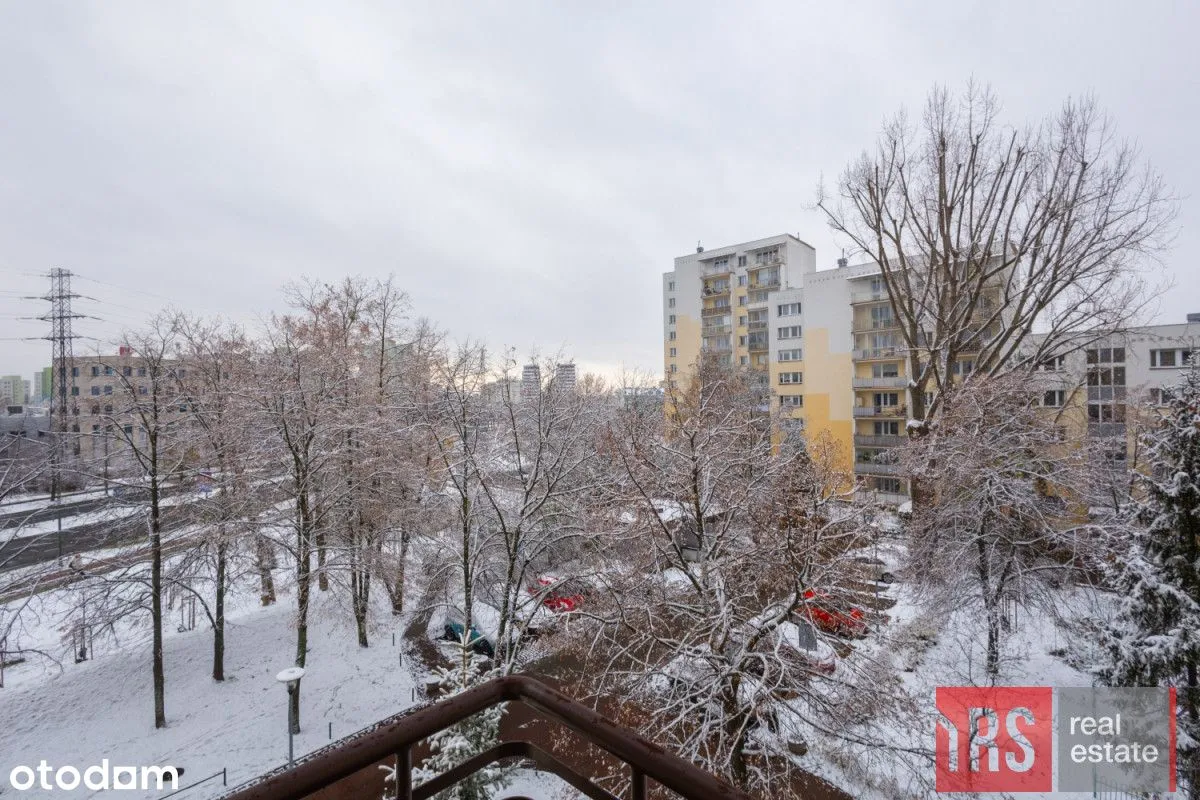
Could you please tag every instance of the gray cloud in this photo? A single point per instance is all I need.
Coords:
(527, 170)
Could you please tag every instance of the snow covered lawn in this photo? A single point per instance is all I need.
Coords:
(103, 708)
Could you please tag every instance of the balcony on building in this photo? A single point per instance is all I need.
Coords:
(716, 287)
(883, 498)
(869, 319)
(764, 277)
(715, 268)
(715, 310)
(876, 468)
(715, 328)
(757, 343)
(865, 294)
(877, 353)
(890, 382)
(879, 411)
(872, 440)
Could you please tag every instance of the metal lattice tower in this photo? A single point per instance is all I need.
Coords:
(64, 405)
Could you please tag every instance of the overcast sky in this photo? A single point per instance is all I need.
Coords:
(526, 170)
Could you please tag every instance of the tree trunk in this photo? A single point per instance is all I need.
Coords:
(322, 578)
(262, 559)
(219, 614)
(156, 610)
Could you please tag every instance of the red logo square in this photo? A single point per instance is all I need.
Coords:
(994, 739)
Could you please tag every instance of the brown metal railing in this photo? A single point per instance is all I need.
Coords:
(396, 737)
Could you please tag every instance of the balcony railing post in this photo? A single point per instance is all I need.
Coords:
(637, 784)
(404, 774)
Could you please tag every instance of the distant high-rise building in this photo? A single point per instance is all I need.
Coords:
(564, 376)
(12, 390)
(531, 380)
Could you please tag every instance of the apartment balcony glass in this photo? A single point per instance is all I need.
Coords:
(715, 311)
(756, 297)
(758, 324)
(876, 353)
(716, 330)
(869, 440)
(876, 468)
(866, 325)
(757, 343)
(895, 382)
(879, 411)
(865, 295)
(716, 288)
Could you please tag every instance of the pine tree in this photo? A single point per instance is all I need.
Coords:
(463, 741)
(1156, 641)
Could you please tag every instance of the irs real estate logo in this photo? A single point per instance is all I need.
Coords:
(1012, 738)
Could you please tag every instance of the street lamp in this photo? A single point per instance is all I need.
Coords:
(291, 677)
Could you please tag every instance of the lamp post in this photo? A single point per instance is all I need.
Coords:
(291, 678)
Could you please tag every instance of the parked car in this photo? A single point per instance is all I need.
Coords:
(557, 594)
(483, 637)
(831, 616)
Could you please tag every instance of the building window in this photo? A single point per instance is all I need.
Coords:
(671, 319)
(141, 372)
(673, 353)
(742, 320)
(964, 367)
(788, 309)
(671, 302)
(108, 370)
(95, 409)
(1165, 359)
(143, 390)
(891, 370)
(670, 286)
(128, 430)
(887, 398)
(1055, 398)
(791, 355)
(741, 299)
(887, 428)
(721, 263)
(744, 360)
(670, 338)
(95, 371)
(127, 371)
(741, 341)
(1161, 397)
(74, 372)
(74, 391)
(95, 391)
(674, 368)
(108, 389)
(767, 256)
(741, 261)
(1107, 355)
(789, 332)
(791, 377)
(888, 485)
(793, 400)
(1055, 364)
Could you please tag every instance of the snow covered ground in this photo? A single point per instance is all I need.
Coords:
(78, 714)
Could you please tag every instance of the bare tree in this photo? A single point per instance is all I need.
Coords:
(985, 233)
(727, 533)
(999, 531)
(146, 418)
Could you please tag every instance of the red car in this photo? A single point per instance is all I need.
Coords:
(828, 615)
(557, 594)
